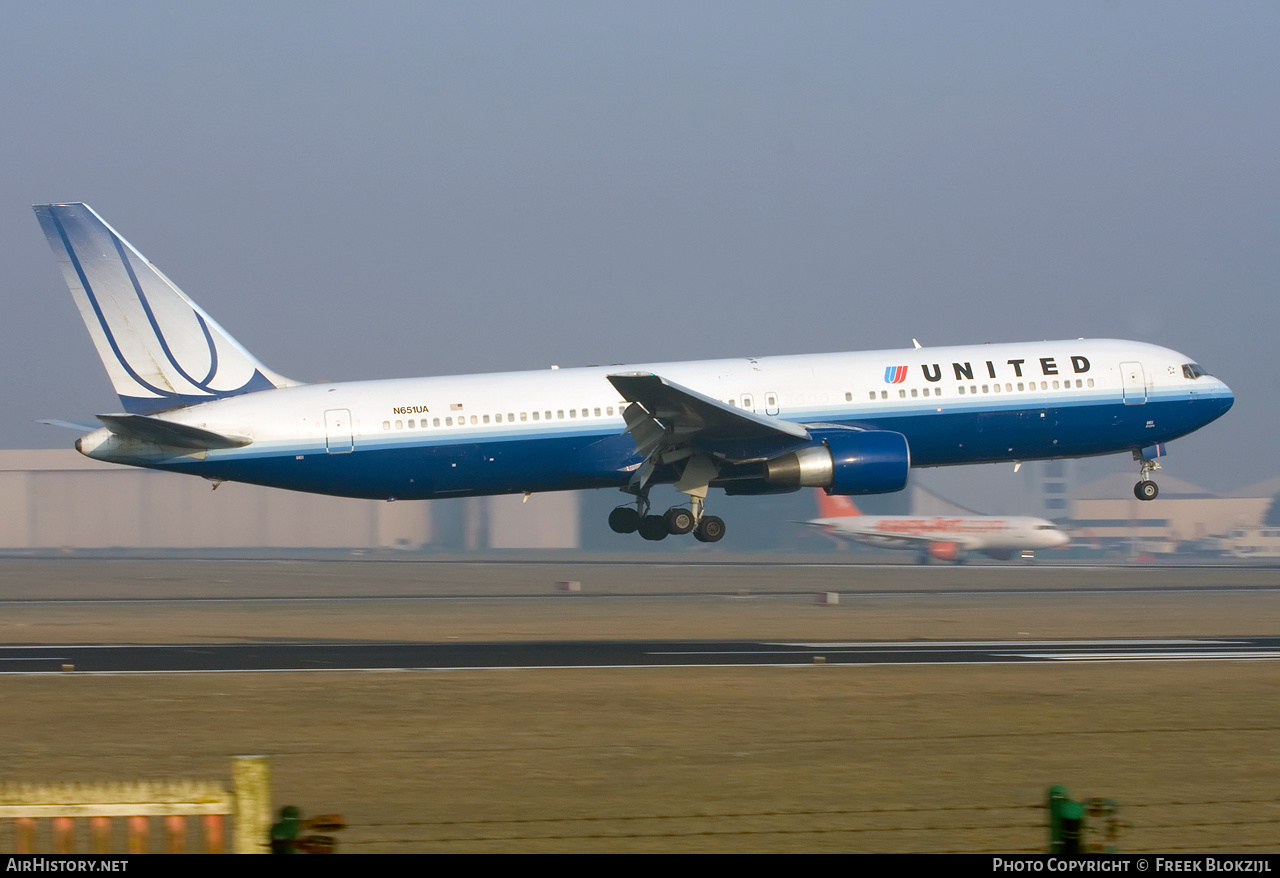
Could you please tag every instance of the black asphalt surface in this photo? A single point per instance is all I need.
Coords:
(297, 656)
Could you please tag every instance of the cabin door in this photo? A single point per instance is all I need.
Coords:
(1134, 380)
(337, 431)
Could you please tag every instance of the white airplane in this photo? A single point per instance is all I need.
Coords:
(195, 401)
(937, 536)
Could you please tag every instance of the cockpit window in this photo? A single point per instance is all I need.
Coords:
(1193, 370)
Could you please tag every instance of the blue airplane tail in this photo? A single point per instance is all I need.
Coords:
(161, 350)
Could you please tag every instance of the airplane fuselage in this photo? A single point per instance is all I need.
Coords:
(563, 429)
(966, 533)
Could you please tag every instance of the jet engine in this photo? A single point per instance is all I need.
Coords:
(944, 551)
(845, 462)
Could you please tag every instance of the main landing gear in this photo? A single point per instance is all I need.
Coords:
(675, 521)
(1147, 489)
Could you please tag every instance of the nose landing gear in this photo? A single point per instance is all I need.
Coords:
(1146, 489)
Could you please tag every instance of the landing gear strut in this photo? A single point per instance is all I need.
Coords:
(1147, 489)
(675, 521)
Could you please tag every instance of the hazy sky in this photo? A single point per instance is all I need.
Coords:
(393, 189)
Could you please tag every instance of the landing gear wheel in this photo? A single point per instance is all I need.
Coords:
(679, 521)
(1146, 490)
(653, 527)
(624, 520)
(710, 529)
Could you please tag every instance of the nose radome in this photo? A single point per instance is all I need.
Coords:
(1228, 398)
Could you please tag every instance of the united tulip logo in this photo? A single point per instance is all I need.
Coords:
(895, 374)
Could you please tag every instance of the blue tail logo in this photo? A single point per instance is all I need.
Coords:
(161, 349)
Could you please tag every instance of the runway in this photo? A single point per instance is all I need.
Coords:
(370, 656)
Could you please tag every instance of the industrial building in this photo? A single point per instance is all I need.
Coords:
(59, 499)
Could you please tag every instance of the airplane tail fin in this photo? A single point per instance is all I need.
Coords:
(161, 350)
(835, 505)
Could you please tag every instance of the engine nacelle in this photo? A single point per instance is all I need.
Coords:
(846, 462)
(944, 551)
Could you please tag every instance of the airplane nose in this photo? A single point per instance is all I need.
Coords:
(1228, 398)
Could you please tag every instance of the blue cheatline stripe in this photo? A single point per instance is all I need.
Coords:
(463, 465)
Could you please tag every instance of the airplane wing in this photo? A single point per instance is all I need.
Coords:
(669, 422)
(162, 432)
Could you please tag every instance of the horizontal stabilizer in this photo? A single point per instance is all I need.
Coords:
(161, 432)
(78, 426)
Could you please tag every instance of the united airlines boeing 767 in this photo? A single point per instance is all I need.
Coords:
(195, 401)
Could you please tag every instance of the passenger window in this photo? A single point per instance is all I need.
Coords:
(573, 413)
(524, 416)
(535, 416)
(399, 425)
(973, 388)
(559, 413)
(984, 388)
(1079, 383)
(848, 397)
(597, 412)
(1055, 385)
(609, 410)
(902, 394)
(1021, 386)
(1090, 382)
(547, 416)
(962, 390)
(884, 394)
(995, 387)
(473, 419)
(1008, 388)
(873, 394)
(435, 422)
(410, 425)
(448, 422)
(511, 417)
(386, 425)
(497, 419)
(914, 392)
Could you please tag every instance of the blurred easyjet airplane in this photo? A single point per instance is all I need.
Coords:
(937, 536)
